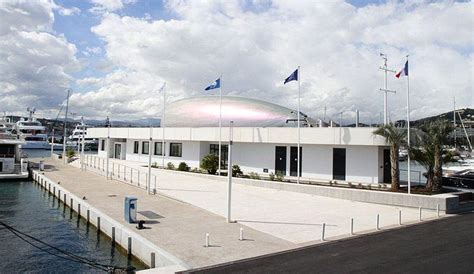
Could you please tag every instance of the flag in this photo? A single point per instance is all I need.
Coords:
(216, 84)
(292, 77)
(163, 87)
(403, 72)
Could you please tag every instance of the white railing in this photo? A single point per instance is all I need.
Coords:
(120, 172)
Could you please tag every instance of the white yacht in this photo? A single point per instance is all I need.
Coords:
(33, 132)
(76, 137)
(11, 164)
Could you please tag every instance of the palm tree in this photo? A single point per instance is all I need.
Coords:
(430, 153)
(395, 137)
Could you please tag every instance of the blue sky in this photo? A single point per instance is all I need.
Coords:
(136, 45)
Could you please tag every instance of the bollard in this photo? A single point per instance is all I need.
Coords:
(72, 207)
(399, 217)
(54, 191)
(129, 251)
(152, 260)
(64, 200)
(207, 240)
(113, 235)
(79, 210)
(59, 194)
(88, 216)
(98, 224)
(241, 238)
(323, 231)
(419, 215)
(352, 226)
(377, 225)
(437, 210)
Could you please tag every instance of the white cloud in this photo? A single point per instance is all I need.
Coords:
(35, 64)
(69, 11)
(256, 47)
(103, 6)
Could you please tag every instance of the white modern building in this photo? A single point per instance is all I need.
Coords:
(327, 153)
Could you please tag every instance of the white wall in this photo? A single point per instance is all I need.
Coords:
(362, 162)
(8, 165)
(191, 152)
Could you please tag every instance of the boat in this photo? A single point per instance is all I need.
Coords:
(33, 132)
(76, 138)
(460, 181)
(12, 166)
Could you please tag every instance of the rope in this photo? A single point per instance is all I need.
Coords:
(65, 255)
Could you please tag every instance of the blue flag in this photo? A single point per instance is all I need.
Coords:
(292, 77)
(216, 84)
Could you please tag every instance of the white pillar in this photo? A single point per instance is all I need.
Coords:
(229, 173)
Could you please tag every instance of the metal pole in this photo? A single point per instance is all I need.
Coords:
(65, 126)
(408, 131)
(52, 143)
(385, 89)
(454, 121)
(163, 128)
(107, 152)
(220, 124)
(149, 160)
(229, 173)
(83, 142)
(298, 147)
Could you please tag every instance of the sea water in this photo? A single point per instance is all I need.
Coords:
(32, 210)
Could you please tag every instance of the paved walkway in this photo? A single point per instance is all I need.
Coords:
(175, 226)
(290, 216)
(442, 246)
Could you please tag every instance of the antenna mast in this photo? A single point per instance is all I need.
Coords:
(385, 89)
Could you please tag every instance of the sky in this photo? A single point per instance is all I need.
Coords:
(116, 54)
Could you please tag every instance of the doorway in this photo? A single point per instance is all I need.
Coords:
(294, 161)
(387, 166)
(280, 160)
(339, 164)
(118, 151)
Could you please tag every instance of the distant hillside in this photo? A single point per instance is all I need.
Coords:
(467, 115)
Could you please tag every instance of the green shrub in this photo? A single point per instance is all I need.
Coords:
(170, 165)
(280, 176)
(210, 163)
(70, 153)
(254, 175)
(272, 176)
(183, 166)
(236, 170)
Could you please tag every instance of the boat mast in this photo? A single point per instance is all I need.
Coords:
(65, 126)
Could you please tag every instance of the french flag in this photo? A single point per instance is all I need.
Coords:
(403, 72)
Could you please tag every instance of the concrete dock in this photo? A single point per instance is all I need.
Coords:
(187, 207)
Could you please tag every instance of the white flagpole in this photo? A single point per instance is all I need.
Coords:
(83, 168)
(107, 152)
(220, 123)
(150, 143)
(163, 150)
(408, 131)
(65, 127)
(229, 173)
(298, 147)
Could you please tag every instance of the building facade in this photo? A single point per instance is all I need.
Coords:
(333, 153)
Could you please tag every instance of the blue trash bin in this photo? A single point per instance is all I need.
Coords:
(130, 209)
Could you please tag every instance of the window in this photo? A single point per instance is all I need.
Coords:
(214, 149)
(176, 149)
(102, 147)
(135, 147)
(145, 147)
(159, 148)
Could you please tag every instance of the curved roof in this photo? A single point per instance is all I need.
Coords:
(245, 112)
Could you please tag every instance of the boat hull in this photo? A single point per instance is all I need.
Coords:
(35, 145)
